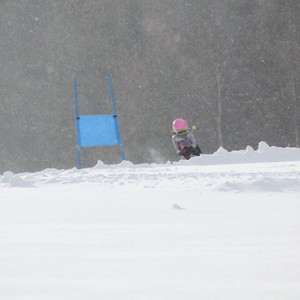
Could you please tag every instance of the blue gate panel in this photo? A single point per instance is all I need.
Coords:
(97, 130)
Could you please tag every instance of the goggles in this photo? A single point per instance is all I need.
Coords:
(183, 131)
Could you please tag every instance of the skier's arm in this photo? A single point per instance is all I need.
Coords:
(175, 144)
(191, 138)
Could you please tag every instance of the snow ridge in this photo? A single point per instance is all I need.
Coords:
(206, 171)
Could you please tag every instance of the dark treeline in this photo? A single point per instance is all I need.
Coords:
(231, 67)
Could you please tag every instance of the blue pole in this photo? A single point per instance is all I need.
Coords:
(77, 118)
(115, 113)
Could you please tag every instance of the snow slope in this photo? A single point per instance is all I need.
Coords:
(220, 226)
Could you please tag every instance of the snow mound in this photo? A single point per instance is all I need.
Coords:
(15, 180)
(263, 154)
(222, 170)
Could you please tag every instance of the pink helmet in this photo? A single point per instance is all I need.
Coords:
(180, 124)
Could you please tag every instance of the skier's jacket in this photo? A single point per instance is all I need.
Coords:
(183, 140)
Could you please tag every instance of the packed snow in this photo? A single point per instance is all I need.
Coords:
(219, 226)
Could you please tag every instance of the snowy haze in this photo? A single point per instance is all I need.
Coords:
(231, 67)
(220, 226)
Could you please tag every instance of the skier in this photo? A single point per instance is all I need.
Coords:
(183, 139)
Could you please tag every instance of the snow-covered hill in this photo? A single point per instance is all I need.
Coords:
(219, 226)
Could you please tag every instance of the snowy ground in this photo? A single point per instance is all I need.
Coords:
(221, 226)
